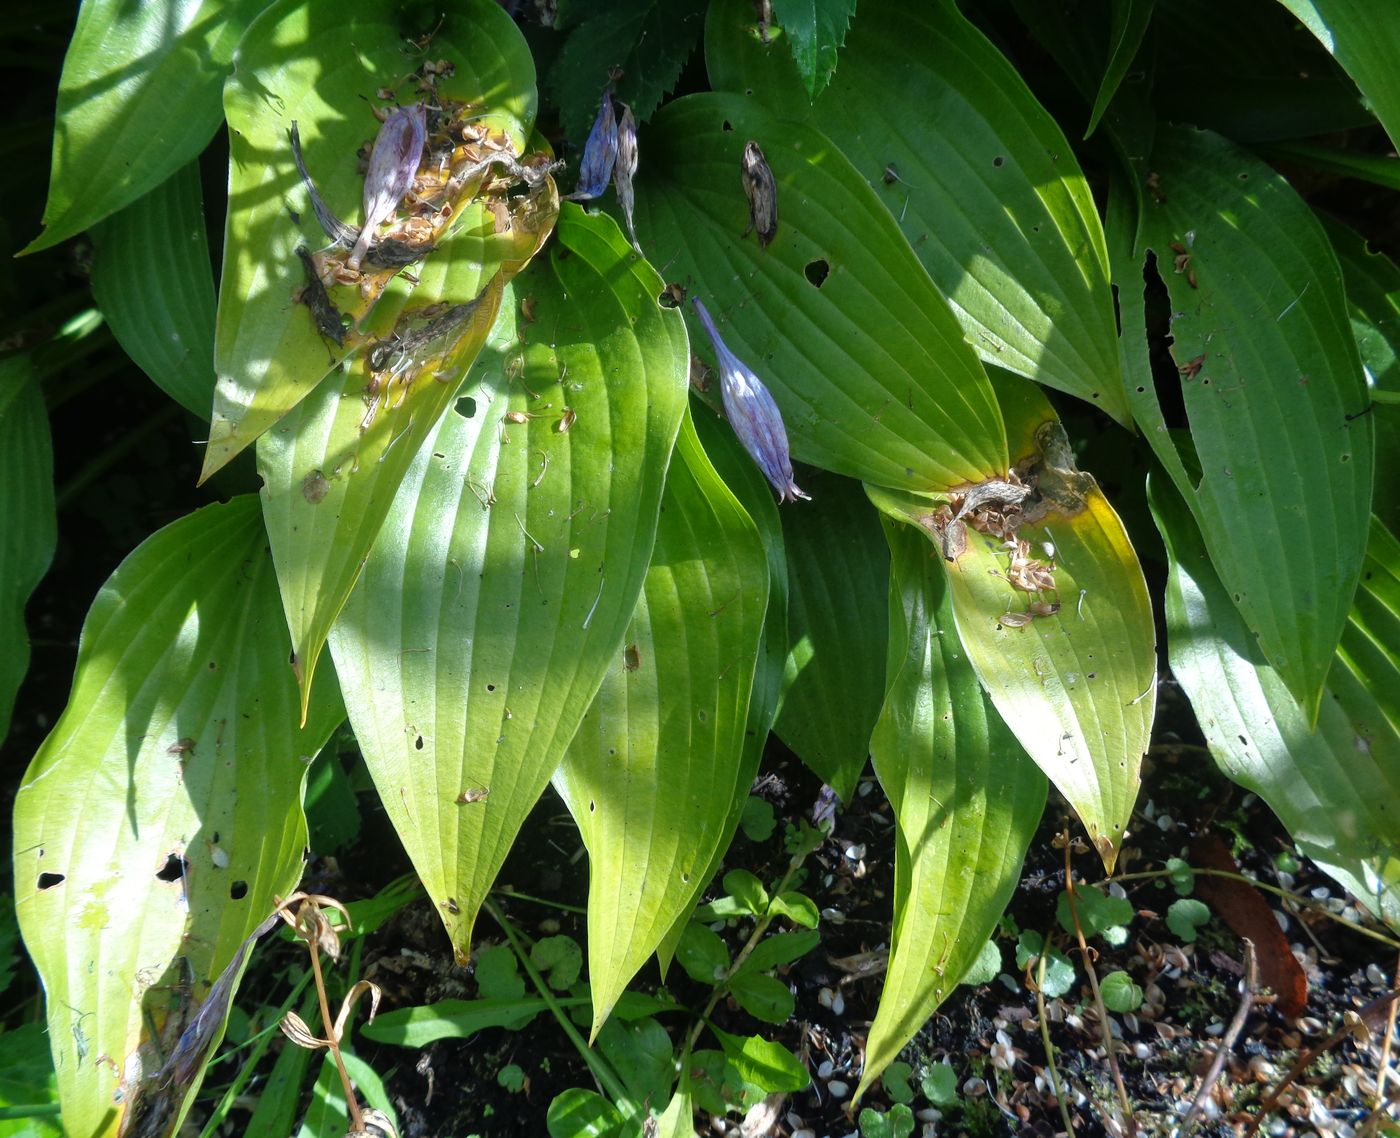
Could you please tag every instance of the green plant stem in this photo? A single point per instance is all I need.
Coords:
(259, 1045)
(602, 1070)
(1302, 902)
(760, 927)
(1110, 1051)
(1045, 1041)
(33, 1110)
(545, 901)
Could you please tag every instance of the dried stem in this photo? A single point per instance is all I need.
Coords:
(357, 1121)
(1227, 1042)
(1110, 1048)
(1055, 1084)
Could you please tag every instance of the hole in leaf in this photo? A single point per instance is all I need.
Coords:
(465, 406)
(173, 870)
(592, 806)
(418, 743)
(1117, 311)
(490, 687)
(49, 880)
(999, 160)
(238, 890)
(817, 271)
(727, 126)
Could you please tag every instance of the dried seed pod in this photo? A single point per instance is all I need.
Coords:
(329, 322)
(752, 413)
(762, 192)
(398, 149)
(625, 167)
(599, 153)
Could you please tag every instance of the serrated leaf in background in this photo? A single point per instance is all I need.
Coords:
(836, 316)
(139, 98)
(153, 280)
(1076, 684)
(838, 576)
(1365, 39)
(319, 67)
(162, 817)
(1278, 465)
(30, 528)
(498, 592)
(987, 191)
(647, 774)
(1331, 785)
(649, 40)
(1373, 304)
(815, 31)
(966, 799)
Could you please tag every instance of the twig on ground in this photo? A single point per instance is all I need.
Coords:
(1055, 1084)
(1227, 1041)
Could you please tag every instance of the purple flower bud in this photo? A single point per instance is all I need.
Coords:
(824, 810)
(393, 162)
(625, 168)
(599, 153)
(753, 414)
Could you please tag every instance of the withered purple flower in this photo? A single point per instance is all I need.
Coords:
(624, 169)
(599, 153)
(393, 162)
(752, 413)
(824, 810)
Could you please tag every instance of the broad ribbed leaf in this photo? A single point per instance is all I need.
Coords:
(986, 190)
(1373, 304)
(139, 97)
(161, 819)
(1130, 20)
(1076, 685)
(500, 588)
(838, 574)
(647, 774)
(331, 468)
(966, 799)
(739, 473)
(319, 67)
(1335, 786)
(1277, 469)
(836, 316)
(152, 279)
(30, 529)
(1365, 39)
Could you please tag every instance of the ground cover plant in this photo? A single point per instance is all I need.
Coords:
(590, 395)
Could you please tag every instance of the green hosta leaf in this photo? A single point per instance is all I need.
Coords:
(678, 1119)
(966, 800)
(151, 279)
(578, 1113)
(836, 316)
(31, 529)
(1365, 39)
(319, 73)
(646, 785)
(330, 470)
(649, 40)
(1277, 471)
(1373, 304)
(161, 819)
(815, 31)
(838, 573)
(986, 191)
(1334, 787)
(1130, 20)
(499, 592)
(1075, 685)
(139, 98)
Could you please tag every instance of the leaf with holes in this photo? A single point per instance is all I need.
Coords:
(966, 800)
(31, 527)
(139, 98)
(151, 279)
(1332, 786)
(162, 818)
(838, 569)
(836, 316)
(499, 590)
(296, 66)
(987, 191)
(646, 785)
(1056, 621)
(1278, 465)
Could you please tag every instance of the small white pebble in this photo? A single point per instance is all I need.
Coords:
(855, 852)
(825, 996)
(866, 786)
(974, 1087)
(804, 1132)
(1285, 880)
(1249, 800)
(929, 1114)
(834, 916)
(838, 1088)
(824, 1071)
(1165, 823)
(1282, 918)
(838, 1003)
(1216, 1028)
(1149, 810)
(1141, 1050)
(1375, 975)
(1116, 890)
(1320, 893)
